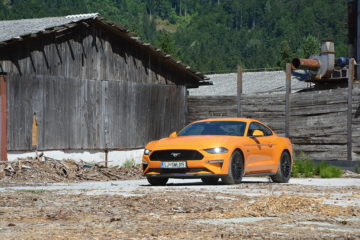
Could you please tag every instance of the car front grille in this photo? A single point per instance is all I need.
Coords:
(166, 155)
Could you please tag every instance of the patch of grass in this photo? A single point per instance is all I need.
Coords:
(330, 172)
(304, 167)
(357, 169)
(129, 163)
(31, 191)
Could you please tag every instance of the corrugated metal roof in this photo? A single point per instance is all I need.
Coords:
(15, 30)
(253, 82)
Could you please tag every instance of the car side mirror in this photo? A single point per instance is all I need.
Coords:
(173, 135)
(258, 133)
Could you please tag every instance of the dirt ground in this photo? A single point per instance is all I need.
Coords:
(184, 209)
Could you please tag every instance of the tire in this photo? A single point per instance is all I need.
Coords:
(284, 172)
(236, 169)
(210, 180)
(157, 181)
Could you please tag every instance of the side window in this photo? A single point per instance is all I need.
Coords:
(257, 126)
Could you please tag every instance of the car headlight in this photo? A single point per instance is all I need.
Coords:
(216, 150)
(147, 151)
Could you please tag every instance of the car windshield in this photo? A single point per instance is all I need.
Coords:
(227, 128)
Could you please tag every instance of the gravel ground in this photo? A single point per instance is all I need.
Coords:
(184, 209)
(253, 82)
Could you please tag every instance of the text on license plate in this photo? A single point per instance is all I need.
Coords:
(173, 164)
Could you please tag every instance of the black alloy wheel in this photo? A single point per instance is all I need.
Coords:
(236, 169)
(284, 172)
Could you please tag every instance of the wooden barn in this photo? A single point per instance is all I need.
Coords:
(87, 84)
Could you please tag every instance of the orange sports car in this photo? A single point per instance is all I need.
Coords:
(226, 148)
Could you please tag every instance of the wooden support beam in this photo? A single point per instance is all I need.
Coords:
(239, 90)
(349, 110)
(3, 118)
(287, 99)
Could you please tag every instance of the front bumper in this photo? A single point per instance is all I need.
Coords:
(211, 165)
(184, 176)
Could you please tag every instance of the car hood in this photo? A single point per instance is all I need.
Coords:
(193, 142)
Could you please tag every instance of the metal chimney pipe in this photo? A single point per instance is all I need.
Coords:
(306, 64)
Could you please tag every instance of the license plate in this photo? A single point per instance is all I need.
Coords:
(173, 164)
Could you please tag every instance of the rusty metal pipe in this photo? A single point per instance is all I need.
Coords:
(306, 64)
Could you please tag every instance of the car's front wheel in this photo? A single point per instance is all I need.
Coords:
(284, 172)
(210, 180)
(236, 169)
(157, 181)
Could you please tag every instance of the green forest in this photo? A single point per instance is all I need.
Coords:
(213, 36)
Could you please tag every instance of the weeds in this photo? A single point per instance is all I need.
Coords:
(129, 163)
(31, 191)
(357, 169)
(305, 167)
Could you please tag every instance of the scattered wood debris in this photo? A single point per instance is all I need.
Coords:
(45, 169)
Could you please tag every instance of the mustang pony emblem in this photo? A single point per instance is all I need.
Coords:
(175, 154)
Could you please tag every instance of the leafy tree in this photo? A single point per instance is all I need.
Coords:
(166, 43)
(213, 35)
(286, 54)
(310, 46)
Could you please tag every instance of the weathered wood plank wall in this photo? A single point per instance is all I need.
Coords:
(91, 88)
(318, 121)
(202, 107)
(88, 114)
(267, 108)
(356, 123)
(87, 53)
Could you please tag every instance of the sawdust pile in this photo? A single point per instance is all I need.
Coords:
(295, 204)
(46, 169)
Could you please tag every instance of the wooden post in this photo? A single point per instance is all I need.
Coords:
(239, 90)
(3, 118)
(287, 99)
(349, 112)
(106, 158)
(35, 135)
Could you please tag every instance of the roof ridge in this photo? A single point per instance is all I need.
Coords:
(88, 15)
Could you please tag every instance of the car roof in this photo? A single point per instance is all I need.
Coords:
(228, 119)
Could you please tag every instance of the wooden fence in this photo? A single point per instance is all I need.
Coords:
(318, 119)
(90, 114)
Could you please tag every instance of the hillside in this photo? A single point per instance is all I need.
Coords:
(213, 35)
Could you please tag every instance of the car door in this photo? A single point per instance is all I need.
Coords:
(259, 149)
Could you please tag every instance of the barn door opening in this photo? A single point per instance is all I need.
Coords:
(3, 118)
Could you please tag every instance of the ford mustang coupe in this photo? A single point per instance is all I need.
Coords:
(226, 148)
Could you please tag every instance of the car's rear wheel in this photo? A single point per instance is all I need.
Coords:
(284, 172)
(236, 169)
(157, 181)
(210, 180)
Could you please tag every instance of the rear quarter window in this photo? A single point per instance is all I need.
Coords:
(257, 126)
